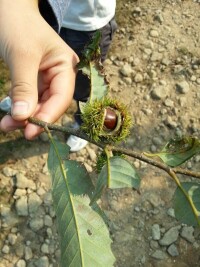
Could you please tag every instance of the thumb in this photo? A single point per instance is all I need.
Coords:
(24, 93)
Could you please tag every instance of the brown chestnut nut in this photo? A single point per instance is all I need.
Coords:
(110, 120)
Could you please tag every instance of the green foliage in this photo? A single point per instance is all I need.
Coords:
(84, 236)
(116, 173)
(177, 151)
(82, 225)
(185, 211)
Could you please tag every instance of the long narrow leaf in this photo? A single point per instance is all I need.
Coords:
(84, 237)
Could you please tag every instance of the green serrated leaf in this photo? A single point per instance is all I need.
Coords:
(177, 151)
(84, 237)
(99, 86)
(117, 173)
(183, 210)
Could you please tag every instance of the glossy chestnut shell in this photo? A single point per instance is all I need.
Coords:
(110, 120)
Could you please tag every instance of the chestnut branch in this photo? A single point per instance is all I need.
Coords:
(130, 153)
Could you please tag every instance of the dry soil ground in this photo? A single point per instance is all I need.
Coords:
(153, 67)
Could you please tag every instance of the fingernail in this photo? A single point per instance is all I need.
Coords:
(19, 108)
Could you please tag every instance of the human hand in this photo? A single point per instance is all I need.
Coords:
(42, 67)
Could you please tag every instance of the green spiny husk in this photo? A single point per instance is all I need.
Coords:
(93, 120)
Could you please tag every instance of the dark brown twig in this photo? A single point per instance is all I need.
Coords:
(131, 153)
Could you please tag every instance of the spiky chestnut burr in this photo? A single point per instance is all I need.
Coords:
(106, 120)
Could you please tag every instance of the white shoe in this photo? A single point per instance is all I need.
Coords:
(76, 143)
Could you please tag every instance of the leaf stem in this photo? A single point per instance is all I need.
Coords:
(108, 155)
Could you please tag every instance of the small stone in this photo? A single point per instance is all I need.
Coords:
(188, 233)
(170, 123)
(34, 201)
(154, 33)
(154, 244)
(138, 78)
(159, 255)
(155, 230)
(22, 182)
(9, 172)
(183, 87)
(21, 206)
(157, 141)
(45, 248)
(171, 212)
(19, 192)
(12, 238)
(48, 221)
(36, 224)
(126, 70)
(41, 191)
(159, 92)
(92, 153)
(170, 236)
(21, 263)
(5, 249)
(193, 78)
(137, 209)
(156, 56)
(28, 254)
(173, 251)
(169, 103)
(127, 80)
(42, 262)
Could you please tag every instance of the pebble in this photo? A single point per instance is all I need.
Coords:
(171, 212)
(45, 248)
(157, 141)
(169, 103)
(170, 236)
(22, 182)
(42, 262)
(92, 153)
(21, 263)
(48, 221)
(156, 56)
(183, 87)
(9, 172)
(21, 206)
(34, 201)
(159, 92)
(154, 33)
(5, 249)
(36, 224)
(159, 255)
(12, 238)
(173, 251)
(138, 78)
(126, 70)
(170, 122)
(155, 230)
(187, 233)
(28, 254)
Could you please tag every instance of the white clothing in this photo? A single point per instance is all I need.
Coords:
(88, 15)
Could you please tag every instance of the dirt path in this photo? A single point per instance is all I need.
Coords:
(154, 67)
